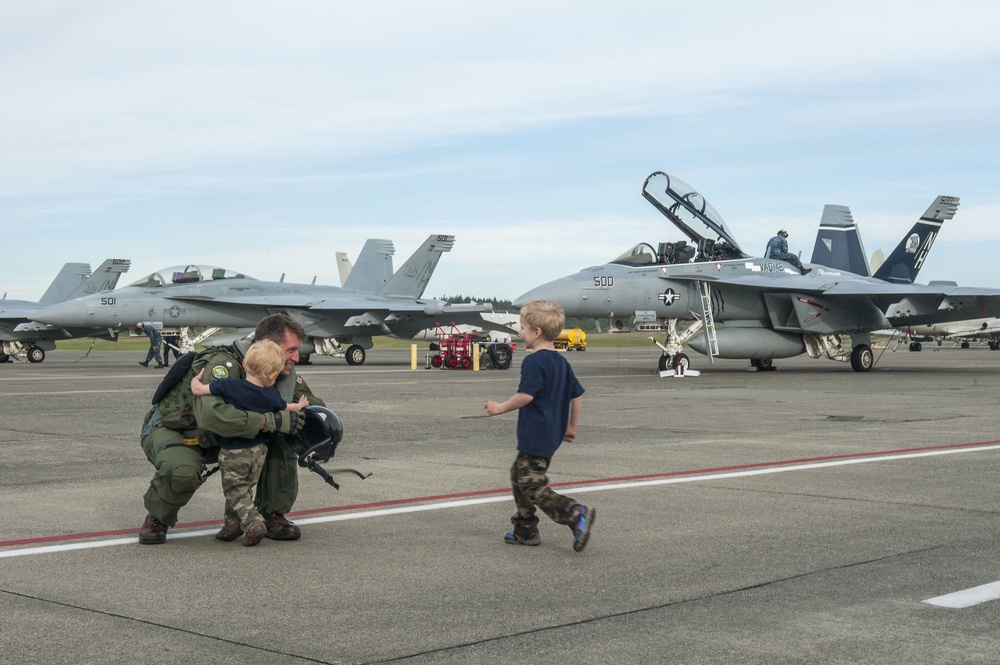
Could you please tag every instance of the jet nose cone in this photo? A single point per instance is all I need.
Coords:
(563, 291)
(64, 314)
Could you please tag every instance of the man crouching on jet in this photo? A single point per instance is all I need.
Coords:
(179, 435)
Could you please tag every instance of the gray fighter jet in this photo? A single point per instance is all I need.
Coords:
(768, 308)
(340, 321)
(20, 336)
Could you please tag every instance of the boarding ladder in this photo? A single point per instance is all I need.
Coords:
(712, 341)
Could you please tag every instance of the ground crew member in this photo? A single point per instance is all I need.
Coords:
(179, 436)
(155, 342)
(777, 248)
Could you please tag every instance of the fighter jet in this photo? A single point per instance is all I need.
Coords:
(20, 336)
(333, 317)
(769, 309)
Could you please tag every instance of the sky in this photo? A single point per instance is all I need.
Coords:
(264, 137)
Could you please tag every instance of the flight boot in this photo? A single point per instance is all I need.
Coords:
(255, 534)
(153, 531)
(806, 271)
(230, 531)
(278, 528)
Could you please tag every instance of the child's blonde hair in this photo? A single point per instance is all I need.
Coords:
(547, 315)
(263, 359)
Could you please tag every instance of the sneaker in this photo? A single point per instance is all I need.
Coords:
(583, 519)
(230, 531)
(515, 538)
(153, 531)
(255, 534)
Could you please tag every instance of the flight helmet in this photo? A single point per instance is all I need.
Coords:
(318, 439)
(783, 233)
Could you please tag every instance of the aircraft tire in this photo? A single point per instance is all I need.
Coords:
(862, 358)
(664, 363)
(916, 346)
(355, 355)
(680, 360)
(36, 355)
(501, 356)
(965, 345)
(762, 364)
(4, 358)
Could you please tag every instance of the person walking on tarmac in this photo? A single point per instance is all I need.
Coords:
(155, 343)
(180, 435)
(777, 248)
(171, 342)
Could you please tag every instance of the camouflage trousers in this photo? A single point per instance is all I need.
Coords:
(531, 491)
(240, 470)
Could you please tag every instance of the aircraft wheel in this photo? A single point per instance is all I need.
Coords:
(762, 364)
(993, 347)
(36, 355)
(680, 360)
(501, 356)
(4, 358)
(433, 346)
(916, 346)
(355, 355)
(965, 345)
(664, 362)
(862, 358)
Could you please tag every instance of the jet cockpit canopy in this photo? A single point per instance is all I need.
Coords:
(693, 215)
(187, 274)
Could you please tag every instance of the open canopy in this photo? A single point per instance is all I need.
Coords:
(691, 213)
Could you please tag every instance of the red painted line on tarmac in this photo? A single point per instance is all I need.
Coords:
(466, 495)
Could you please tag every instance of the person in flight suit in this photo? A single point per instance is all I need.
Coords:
(179, 436)
(777, 248)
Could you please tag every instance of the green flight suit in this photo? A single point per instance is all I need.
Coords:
(180, 454)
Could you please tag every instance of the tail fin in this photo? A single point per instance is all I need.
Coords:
(344, 266)
(373, 269)
(838, 242)
(105, 278)
(906, 260)
(66, 282)
(411, 279)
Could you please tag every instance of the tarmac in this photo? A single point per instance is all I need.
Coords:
(803, 515)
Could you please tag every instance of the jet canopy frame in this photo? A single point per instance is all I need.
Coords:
(693, 216)
(187, 274)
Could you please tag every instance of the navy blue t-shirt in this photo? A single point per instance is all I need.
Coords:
(244, 395)
(541, 425)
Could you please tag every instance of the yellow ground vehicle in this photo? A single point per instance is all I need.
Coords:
(571, 339)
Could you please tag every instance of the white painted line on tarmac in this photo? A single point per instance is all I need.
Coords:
(339, 517)
(977, 595)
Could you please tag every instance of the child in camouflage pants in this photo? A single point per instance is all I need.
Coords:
(241, 460)
(548, 400)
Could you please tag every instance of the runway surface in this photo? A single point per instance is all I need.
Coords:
(801, 515)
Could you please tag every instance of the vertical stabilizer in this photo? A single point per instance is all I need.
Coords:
(105, 278)
(906, 260)
(373, 269)
(68, 280)
(344, 266)
(411, 279)
(838, 242)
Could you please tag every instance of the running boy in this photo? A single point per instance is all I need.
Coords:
(550, 399)
(241, 460)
